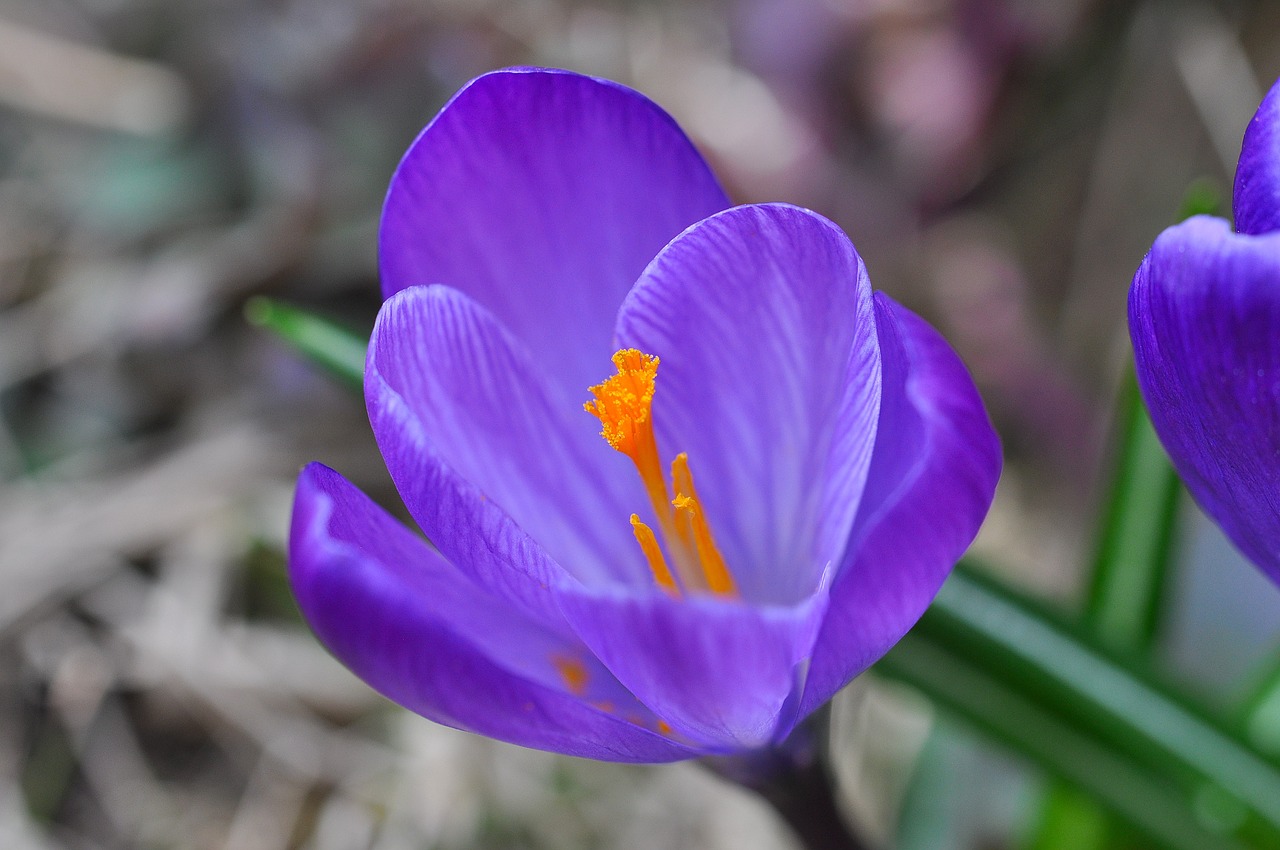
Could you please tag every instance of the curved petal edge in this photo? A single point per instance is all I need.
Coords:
(543, 194)
(763, 319)
(1204, 310)
(400, 617)
(448, 387)
(719, 672)
(1256, 200)
(933, 476)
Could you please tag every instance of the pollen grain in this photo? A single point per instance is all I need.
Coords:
(624, 402)
(572, 672)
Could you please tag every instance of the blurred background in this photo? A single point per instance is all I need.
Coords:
(1002, 166)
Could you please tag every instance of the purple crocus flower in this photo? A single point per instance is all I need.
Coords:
(1204, 315)
(545, 230)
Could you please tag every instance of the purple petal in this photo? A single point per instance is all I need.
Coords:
(769, 380)
(1257, 189)
(720, 672)
(422, 634)
(1204, 316)
(934, 473)
(543, 195)
(453, 398)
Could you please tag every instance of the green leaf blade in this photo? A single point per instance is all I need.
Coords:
(338, 349)
(1033, 676)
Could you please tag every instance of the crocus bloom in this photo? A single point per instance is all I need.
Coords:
(553, 240)
(1204, 315)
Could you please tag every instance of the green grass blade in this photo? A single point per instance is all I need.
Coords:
(1072, 819)
(1260, 713)
(338, 349)
(1136, 536)
(996, 707)
(1125, 604)
(1086, 701)
(1131, 562)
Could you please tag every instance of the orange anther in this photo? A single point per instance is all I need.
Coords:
(624, 405)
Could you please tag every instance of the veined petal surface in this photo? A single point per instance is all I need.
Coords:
(769, 380)
(447, 387)
(1257, 189)
(723, 674)
(543, 195)
(933, 475)
(1204, 317)
(422, 634)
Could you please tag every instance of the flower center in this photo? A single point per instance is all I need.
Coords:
(624, 405)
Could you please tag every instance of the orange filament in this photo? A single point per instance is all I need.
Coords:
(657, 564)
(714, 569)
(624, 405)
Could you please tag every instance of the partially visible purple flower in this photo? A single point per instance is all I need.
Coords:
(1204, 315)
(843, 460)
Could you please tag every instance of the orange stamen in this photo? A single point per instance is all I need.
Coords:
(623, 402)
(715, 572)
(657, 564)
(624, 405)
